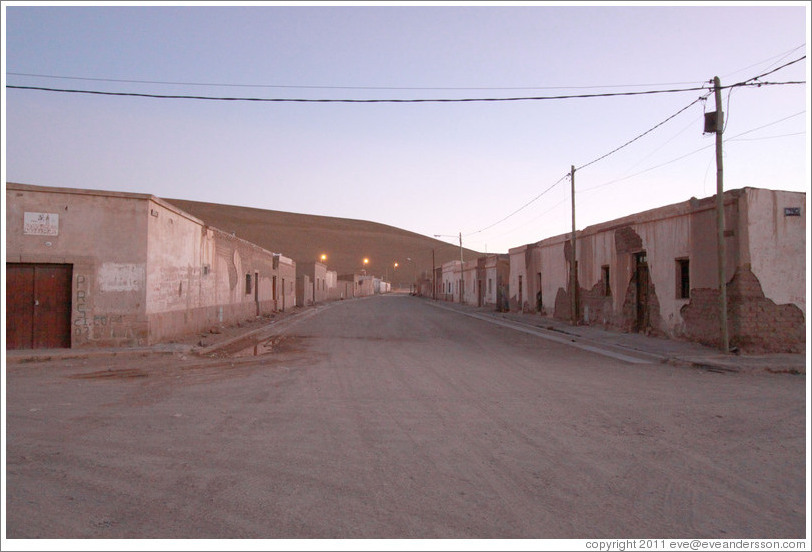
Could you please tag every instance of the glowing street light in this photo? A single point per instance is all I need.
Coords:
(323, 257)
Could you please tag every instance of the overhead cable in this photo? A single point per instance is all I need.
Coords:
(557, 182)
(334, 87)
(348, 100)
(701, 98)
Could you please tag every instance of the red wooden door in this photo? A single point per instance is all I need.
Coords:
(38, 306)
(19, 306)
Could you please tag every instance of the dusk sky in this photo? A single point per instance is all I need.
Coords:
(428, 167)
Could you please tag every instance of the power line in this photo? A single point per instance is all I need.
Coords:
(731, 139)
(777, 59)
(346, 100)
(765, 137)
(748, 82)
(415, 100)
(335, 87)
(701, 98)
(557, 182)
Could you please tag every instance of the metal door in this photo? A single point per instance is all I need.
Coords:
(38, 306)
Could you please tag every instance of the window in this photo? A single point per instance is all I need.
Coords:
(607, 291)
(683, 279)
(490, 286)
(248, 286)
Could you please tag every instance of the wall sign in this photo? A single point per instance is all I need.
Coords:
(41, 224)
(792, 211)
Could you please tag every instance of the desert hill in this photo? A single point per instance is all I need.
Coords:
(346, 242)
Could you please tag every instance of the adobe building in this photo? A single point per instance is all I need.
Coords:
(451, 281)
(656, 272)
(493, 279)
(358, 285)
(91, 268)
(311, 283)
(470, 291)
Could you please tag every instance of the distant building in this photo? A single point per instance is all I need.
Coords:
(311, 283)
(361, 285)
(452, 282)
(494, 278)
(91, 268)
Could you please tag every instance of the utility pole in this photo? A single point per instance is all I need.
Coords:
(433, 276)
(573, 262)
(462, 272)
(720, 218)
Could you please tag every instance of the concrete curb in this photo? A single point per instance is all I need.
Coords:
(269, 330)
(44, 355)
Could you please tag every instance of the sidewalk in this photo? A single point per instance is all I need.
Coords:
(200, 344)
(634, 347)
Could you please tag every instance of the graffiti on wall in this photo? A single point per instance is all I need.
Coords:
(81, 324)
(121, 277)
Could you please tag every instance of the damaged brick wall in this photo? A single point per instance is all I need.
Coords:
(596, 306)
(650, 323)
(755, 323)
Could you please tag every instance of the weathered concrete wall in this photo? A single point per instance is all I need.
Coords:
(362, 285)
(497, 281)
(285, 281)
(103, 236)
(469, 276)
(776, 238)
(450, 281)
(317, 274)
(552, 264)
(200, 276)
(341, 290)
(518, 277)
(304, 290)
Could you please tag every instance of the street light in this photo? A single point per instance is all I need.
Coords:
(394, 268)
(366, 262)
(323, 257)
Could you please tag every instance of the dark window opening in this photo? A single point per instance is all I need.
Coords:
(683, 279)
(248, 286)
(607, 290)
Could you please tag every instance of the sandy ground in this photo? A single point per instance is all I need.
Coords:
(387, 418)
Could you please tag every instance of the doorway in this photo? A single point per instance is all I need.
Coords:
(642, 287)
(38, 306)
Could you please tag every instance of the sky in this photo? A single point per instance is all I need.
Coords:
(495, 171)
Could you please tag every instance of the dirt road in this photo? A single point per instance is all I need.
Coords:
(388, 418)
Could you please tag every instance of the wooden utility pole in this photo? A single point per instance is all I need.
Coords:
(573, 262)
(433, 277)
(462, 271)
(720, 219)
